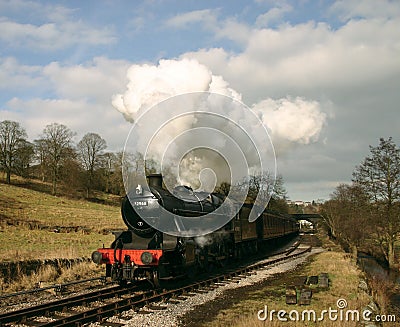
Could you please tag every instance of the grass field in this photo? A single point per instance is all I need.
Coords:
(29, 219)
(20, 243)
(344, 278)
(28, 205)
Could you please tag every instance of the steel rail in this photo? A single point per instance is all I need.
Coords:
(55, 286)
(48, 307)
(137, 301)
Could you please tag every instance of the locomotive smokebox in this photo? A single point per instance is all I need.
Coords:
(155, 180)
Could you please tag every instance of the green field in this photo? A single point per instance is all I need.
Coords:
(36, 225)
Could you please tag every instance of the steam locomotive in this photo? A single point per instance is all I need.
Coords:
(145, 252)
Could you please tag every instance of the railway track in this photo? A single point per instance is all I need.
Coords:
(45, 309)
(99, 305)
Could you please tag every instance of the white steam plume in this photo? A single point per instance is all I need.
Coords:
(289, 121)
(149, 84)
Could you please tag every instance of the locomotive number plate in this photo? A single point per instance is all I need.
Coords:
(140, 203)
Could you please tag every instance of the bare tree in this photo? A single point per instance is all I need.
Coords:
(223, 188)
(12, 138)
(331, 217)
(90, 150)
(108, 160)
(57, 139)
(269, 187)
(121, 161)
(72, 175)
(379, 176)
(41, 157)
(348, 216)
(24, 158)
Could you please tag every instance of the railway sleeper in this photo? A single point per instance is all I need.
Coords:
(124, 304)
(111, 324)
(201, 291)
(157, 307)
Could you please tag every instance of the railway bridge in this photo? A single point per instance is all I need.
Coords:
(308, 221)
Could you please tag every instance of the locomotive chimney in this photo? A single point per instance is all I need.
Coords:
(155, 180)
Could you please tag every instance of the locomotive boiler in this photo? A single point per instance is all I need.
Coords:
(142, 251)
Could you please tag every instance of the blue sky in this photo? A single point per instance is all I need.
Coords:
(331, 67)
(135, 30)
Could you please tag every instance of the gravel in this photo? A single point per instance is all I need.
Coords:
(170, 316)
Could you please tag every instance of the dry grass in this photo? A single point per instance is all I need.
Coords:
(249, 321)
(20, 243)
(344, 277)
(48, 275)
(381, 291)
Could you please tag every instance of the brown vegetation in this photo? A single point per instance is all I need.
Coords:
(343, 275)
(49, 274)
(366, 214)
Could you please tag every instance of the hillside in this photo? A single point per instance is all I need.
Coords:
(34, 225)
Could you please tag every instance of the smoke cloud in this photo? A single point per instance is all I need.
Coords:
(149, 85)
(289, 121)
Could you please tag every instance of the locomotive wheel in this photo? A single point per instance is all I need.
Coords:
(155, 279)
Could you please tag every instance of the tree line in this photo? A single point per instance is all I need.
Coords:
(54, 158)
(365, 215)
(87, 166)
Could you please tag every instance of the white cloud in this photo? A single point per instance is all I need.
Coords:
(273, 15)
(349, 9)
(98, 79)
(78, 115)
(351, 70)
(59, 29)
(53, 36)
(308, 59)
(229, 28)
(19, 6)
(83, 94)
(205, 16)
(14, 75)
(233, 30)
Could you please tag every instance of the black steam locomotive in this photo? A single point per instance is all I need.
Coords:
(145, 252)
